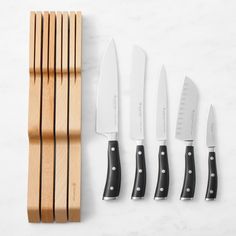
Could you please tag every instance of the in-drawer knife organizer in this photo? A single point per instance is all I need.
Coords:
(54, 117)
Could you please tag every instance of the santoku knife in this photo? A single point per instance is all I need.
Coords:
(107, 119)
(136, 119)
(161, 132)
(185, 130)
(211, 144)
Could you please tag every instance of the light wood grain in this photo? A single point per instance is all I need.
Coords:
(32, 42)
(61, 120)
(78, 45)
(33, 204)
(54, 106)
(47, 184)
(75, 118)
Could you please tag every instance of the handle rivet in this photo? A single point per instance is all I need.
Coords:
(113, 168)
(163, 171)
(139, 152)
(138, 189)
(211, 191)
(162, 153)
(111, 188)
(190, 172)
(140, 170)
(161, 189)
(212, 174)
(188, 189)
(212, 158)
(113, 149)
(189, 153)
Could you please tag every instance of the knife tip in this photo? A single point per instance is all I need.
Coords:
(139, 49)
(163, 67)
(189, 81)
(163, 73)
(187, 78)
(211, 109)
(111, 42)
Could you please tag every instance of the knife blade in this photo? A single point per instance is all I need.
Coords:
(137, 118)
(211, 191)
(185, 131)
(107, 119)
(162, 187)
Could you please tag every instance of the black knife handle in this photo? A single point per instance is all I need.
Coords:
(112, 187)
(190, 175)
(163, 174)
(140, 174)
(212, 177)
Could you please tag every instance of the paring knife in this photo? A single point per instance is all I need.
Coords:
(211, 144)
(107, 119)
(136, 119)
(185, 130)
(162, 130)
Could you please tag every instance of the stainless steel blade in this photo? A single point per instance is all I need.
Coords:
(137, 93)
(211, 129)
(162, 107)
(107, 101)
(186, 122)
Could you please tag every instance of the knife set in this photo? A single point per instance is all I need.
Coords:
(107, 124)
(54, 126)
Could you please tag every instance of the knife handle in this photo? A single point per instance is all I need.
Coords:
(112, 187)
(140, 174)
(163, 174)
(190, 175)
(212, 177)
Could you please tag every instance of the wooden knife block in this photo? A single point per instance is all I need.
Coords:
(54, 127)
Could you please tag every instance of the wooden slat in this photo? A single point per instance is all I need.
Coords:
(33, 204)
(61, 119)
(65, 44)
(32, 41)
(47, 188)
(52, 44)
(78, 42)
(72, 44)
(75, 118)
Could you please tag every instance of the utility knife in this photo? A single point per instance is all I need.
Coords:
(137, 118)
(211, 144)
(107, 119)
(185, 131)
(161, 134)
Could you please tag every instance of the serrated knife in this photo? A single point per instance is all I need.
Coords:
(185, 131)
(161, 134)
(137, 118)
(211, 191)
(107, 119)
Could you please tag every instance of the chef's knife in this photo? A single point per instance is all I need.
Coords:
(136, 119)
(162, 130)
(107, 119)
(211, 144)
(185, 130)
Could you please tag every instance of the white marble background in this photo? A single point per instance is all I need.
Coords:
(191, 37)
